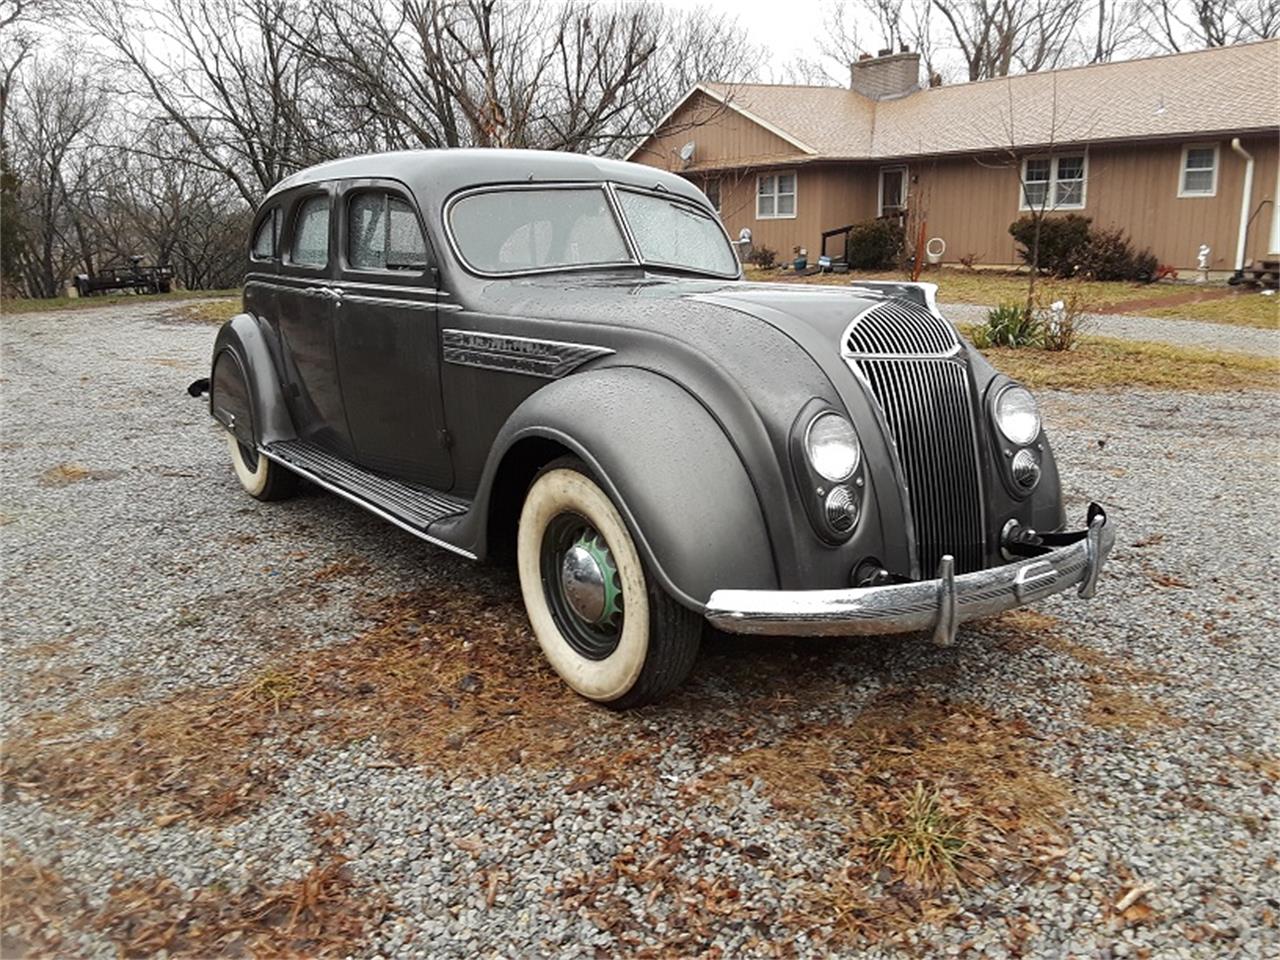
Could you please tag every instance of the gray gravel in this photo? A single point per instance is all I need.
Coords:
(1181, 333)
(154, 575)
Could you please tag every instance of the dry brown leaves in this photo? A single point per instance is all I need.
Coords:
(65, 474)
(319, 915)
(442, 680)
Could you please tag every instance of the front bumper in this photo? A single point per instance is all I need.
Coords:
(1060, 561)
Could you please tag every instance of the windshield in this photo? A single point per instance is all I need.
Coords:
(678, 234)
(519, 230)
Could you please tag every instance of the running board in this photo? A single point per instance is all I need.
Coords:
(411, 508)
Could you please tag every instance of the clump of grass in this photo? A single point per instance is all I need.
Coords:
(272, 687)
(921, 841)
(1009, 325)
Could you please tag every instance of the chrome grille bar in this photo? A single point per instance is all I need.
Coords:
(927, 407)
(900, 327)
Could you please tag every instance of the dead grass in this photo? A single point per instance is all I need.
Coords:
(444, 680)
(65, 474)
(1102, 363)
(922, 841)
(1214, 303)
(11, 305)
(211, 311)
(1112, 708)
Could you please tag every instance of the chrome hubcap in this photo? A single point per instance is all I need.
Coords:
(582, 580)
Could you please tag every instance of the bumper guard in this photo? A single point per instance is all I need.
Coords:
(1053, 562)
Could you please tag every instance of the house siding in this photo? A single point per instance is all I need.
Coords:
(970, 201)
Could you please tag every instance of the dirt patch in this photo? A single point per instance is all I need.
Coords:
(1140, 306)
(65, 474)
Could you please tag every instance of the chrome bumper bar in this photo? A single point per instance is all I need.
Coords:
(939, 605)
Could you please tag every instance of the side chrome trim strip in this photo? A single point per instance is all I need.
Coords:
(358, 501)
(539, 358)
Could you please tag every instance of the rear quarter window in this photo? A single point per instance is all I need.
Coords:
(311, 233)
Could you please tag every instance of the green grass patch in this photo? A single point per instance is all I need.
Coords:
(11, 305)
(1247, 308)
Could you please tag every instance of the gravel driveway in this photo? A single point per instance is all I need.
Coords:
(235, 727)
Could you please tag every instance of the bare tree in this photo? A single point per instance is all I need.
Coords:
(229, 81)
(995, 36)
(1177, 25)
(57, 110)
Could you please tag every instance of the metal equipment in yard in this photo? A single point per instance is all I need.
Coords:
(135, 277)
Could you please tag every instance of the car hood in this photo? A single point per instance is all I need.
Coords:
(777, 339)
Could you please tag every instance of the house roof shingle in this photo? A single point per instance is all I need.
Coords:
(1205, 91)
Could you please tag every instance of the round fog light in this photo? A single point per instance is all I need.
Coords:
(1026, 469)
(842, 510)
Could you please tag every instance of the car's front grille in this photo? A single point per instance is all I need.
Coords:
(923, 391)
(898, 327)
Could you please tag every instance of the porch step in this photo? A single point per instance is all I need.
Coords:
(413, 506)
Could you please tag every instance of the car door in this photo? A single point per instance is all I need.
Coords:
(305, 306)
(387, 337)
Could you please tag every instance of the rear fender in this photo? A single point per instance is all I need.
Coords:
(245, 395)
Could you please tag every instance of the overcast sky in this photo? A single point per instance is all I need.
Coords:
(787, 28)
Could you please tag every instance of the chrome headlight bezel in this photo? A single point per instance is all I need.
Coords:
(828, 461)
(1021, 433)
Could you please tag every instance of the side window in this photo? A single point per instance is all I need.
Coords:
(383, 234)
(311, 234)
(264, 241)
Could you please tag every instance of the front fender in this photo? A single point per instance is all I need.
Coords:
(667, 464)
(244, 384)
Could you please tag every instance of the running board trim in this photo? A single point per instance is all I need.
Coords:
(319, 481)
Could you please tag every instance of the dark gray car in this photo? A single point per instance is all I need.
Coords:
(555, 355)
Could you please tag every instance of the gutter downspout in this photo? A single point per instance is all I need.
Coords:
(1246, 194)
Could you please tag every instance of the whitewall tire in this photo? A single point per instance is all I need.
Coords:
(612, 634)
(260, 476)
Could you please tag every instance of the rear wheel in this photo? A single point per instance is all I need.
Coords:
(610, 631)
(261, 477)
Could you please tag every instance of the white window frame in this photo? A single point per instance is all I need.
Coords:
(1053, 181)
(1183, 192)
(906, 189)
(795, 195)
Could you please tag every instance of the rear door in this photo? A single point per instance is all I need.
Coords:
(387, 336)
(305, 301)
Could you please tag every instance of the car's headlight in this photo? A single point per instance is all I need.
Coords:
(832, 447)
(1017, 415)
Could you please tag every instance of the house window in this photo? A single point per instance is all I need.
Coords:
(1199, 176)
(712, 189)
(1054, 183)
(893, 191)
(776, 196)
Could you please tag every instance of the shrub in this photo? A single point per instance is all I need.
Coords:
(1061, 316)
(1110, 256)
(874, 245)
(1062, 242)
(762, 257)
(1009, 325)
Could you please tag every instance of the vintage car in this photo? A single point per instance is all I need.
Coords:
(555, 356)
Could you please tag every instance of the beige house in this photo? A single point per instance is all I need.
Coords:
(1177, 150)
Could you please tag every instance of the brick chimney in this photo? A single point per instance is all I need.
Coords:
(887, 75)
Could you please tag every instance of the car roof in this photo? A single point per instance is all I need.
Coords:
(436, 174)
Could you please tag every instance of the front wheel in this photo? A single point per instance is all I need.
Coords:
(610, 631)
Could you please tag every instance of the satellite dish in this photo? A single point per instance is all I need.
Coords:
(686, 152)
